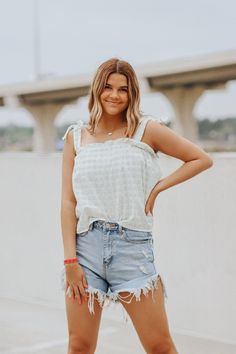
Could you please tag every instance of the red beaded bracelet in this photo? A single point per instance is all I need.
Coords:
(72, 260)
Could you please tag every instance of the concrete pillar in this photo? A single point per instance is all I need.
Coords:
(183, 100)
(44, 131)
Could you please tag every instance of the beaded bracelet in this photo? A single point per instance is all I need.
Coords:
(71, 260)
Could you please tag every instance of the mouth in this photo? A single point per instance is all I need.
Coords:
(112, 102)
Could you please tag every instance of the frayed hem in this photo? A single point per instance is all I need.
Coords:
(101, 298)
(151, 284)
(105, 299)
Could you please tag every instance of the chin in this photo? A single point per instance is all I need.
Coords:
(113, 111)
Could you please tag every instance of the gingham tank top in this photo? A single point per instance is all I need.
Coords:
(112, 180)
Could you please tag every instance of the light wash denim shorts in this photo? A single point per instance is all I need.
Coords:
(115, 259)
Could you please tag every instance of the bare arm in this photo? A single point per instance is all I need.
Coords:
(68, 201)
(75, 278)
(168, 142)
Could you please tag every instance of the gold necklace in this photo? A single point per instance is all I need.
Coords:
(109, 133)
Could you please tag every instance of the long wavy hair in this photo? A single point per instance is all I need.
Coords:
(132, 113)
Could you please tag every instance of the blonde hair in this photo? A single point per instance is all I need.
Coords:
(133, 112)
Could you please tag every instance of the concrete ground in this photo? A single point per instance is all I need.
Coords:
(32, 328)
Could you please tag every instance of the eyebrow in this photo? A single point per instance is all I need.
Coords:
(120, 86)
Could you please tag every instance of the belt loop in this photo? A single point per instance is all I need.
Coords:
(120, 228)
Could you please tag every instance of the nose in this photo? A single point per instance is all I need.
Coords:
(114, 94)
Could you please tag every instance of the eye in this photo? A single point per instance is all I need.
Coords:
(124, 89)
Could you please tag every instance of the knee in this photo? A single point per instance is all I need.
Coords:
(163, 346)
(81, 346)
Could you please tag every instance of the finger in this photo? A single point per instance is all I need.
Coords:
(77, 294)
(147, 211)
(67, 285)
(85, 283)
(69, 292)
(82, 291)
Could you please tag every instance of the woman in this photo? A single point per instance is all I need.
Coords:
(110, 180)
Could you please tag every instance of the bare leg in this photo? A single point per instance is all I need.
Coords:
(83, 327)
(150, 321)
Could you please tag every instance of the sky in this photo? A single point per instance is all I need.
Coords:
(75, 36)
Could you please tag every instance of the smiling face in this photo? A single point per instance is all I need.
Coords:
(114, 97)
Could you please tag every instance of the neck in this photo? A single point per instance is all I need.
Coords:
(110, 122)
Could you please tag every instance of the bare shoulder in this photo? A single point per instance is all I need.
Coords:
(167, 141)
(69, 144)
(148, 134)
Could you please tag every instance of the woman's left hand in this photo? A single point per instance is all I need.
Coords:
(151, 199)
(150, 203)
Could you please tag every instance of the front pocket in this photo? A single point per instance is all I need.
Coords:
(82, 234)
(135, 236)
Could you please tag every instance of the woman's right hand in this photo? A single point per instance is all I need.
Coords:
(76, 280)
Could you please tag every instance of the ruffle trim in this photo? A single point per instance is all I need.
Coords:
(131, 141)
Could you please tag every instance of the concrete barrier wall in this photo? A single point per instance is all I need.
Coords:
(194, 238)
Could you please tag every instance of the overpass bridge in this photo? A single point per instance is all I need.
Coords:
(181, 81)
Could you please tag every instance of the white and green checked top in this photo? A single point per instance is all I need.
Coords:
(113, 179)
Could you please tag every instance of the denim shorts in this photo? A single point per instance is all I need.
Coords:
(115, 259)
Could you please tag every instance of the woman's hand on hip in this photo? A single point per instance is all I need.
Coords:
(151, 201)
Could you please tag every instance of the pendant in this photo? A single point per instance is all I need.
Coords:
(109, 133)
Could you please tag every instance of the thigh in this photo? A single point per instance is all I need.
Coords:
(83, 326)
(149, 317)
